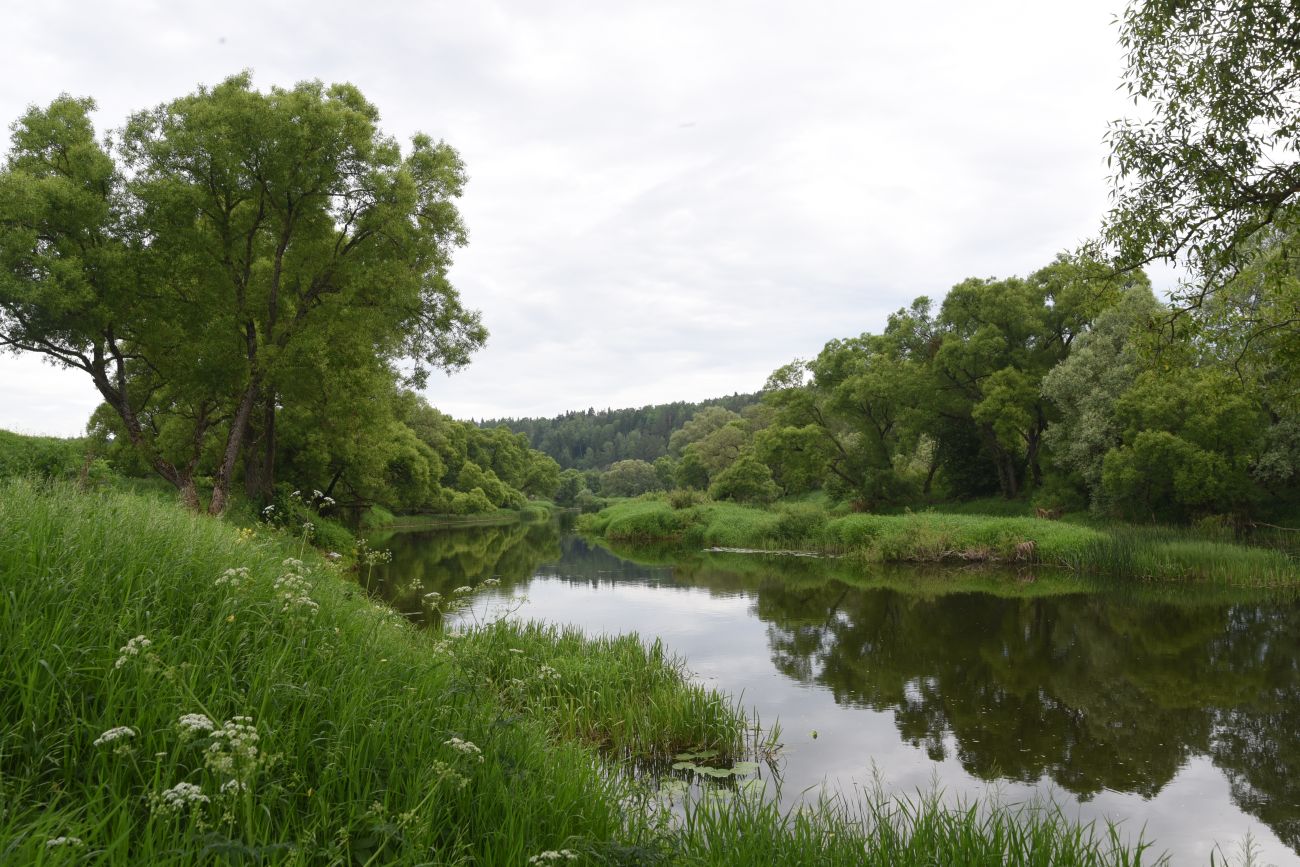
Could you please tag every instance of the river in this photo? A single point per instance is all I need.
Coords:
(1175, 711)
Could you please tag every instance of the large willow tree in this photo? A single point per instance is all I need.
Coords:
(190, 262)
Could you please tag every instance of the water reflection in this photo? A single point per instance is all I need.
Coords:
(1039, 681)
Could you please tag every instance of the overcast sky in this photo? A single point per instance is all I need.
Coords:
(667, 200)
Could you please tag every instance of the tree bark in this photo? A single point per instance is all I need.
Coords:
(234, 441)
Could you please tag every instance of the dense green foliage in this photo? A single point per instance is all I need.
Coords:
(43, 457)
(594, 439)
(1073, 388)
(250, 280)
(1114, 553)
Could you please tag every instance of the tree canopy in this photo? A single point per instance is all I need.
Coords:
(228, 255)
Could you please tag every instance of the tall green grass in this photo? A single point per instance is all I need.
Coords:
(356, 712)
(1160, 553)
(913, 537)
(1119, 551)
(174, 690)
(916, 832)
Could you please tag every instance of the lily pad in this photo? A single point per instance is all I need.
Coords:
(706, 754)
(716, 773)
(742, 768)
(684, 766)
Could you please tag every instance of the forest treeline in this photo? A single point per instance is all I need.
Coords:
(594, 439)
(1074, 386)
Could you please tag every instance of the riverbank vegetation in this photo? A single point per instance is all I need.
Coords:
(1118, 552)
(178, 690)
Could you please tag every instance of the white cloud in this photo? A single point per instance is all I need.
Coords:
(667, 200)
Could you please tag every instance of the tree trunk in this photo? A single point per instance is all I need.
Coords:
(268, 448)
(929, 475)
(190, 495)
(234, 441)
(1003, 461)
(1033, 443)
(116, 397)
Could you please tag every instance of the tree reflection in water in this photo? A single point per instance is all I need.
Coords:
(1092, 689)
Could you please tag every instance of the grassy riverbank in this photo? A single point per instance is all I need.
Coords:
(175, 690)
(932, 536)
(379, 518)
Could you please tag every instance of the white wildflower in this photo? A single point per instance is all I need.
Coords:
(444, 771)
(233, 578)
(462, 590)
(547, 673)
(490, 582)
(296, 495)
(553, 856)
(327, 501)
(134, 647)
(233, 787)
(432, 596)
(293, 590)
(293, 563)
(117, 733)
(464, 748)
(268, 511)
(70, 842)
(178, 798)
(318, 494)
(194, 725)
(234, 750)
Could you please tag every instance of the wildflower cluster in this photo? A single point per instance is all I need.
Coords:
(233, 578)
(372, 557)
(178, 799)
(293, 590)
(553, 856)
(115, 734)
(233, 750)
(444, 771)
(135, 647)
(317, 496)
(195, 725)
(69, 842)
(547, 673)
(465, 748)
(233, 787)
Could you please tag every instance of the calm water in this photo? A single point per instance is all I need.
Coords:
(1177, 715)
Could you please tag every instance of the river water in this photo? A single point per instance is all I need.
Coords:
(1175, 711)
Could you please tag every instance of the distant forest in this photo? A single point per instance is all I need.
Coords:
(594, 439)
